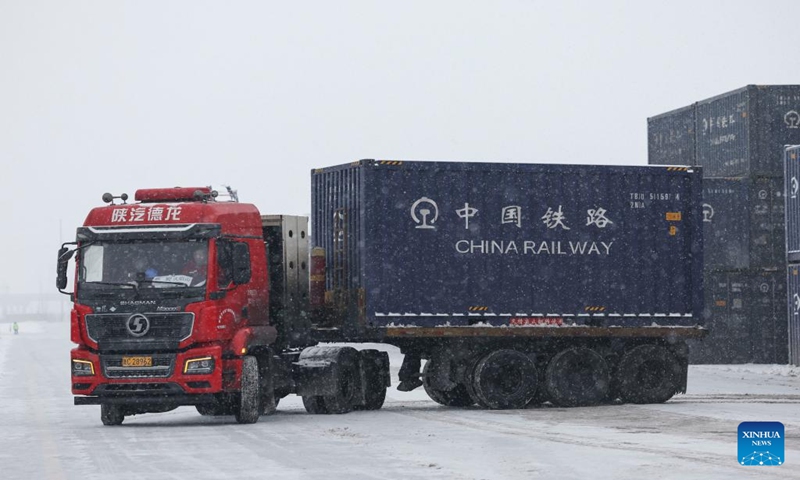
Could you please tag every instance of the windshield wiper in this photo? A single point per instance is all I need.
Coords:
(163, 282)
(118, 284)
(113, 284)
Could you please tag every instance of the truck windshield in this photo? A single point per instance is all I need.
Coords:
(136, 266)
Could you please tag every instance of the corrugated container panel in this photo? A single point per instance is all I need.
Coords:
(792, 189)
(437, 242)
(746, 318)
(671, 137)
(738, 134)
(793, 297)
(743, 223)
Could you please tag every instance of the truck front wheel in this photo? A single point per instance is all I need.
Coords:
(577, 377)
(648, 374)
(249, 407)
(111, 414)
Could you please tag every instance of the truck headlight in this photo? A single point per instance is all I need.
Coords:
(201, 365)
(82, 368)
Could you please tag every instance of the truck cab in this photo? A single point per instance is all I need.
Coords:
(176, 295)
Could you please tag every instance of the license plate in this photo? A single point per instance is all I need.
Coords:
(137, 361)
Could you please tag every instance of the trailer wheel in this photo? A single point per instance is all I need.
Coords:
(504, 379)
(249, 407)
(577, 377)
(314, 405)
(457, 397)
(648, 374)
(111, 414)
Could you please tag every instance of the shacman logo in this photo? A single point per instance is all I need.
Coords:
(138, 325)
(761, 444)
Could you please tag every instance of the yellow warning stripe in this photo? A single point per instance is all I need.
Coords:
(478, 309)
(390, 162)
(595, 309)
(677, 169)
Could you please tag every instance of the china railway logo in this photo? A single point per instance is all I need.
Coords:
(708, 212)
(795, 187)
(792, 119)
(796, 301)
(425, 207)
(138, 325)
(761, 444)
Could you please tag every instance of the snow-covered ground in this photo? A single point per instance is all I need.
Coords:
(42, 435)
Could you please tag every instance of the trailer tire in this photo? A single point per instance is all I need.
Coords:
(314, 405)
(249, 407)
(648, 374)
(577, 377)
(504, 379)
(457, 397)
(111, 414)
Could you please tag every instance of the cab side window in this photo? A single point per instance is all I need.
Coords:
(225, 263)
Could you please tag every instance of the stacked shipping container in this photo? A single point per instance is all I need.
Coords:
(738, 139)
(792, 187)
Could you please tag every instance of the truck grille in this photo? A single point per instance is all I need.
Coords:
(163, 365)
(162, 326)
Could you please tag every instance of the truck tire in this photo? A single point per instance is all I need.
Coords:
(577, 377)
(504, 379)
(375, 378)
(342, 400)
(314, 405)
(648, 374)
(111, 414)
(269, 404)
(249, 407)
(457, 397)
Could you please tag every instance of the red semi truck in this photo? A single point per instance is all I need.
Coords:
(182, 298)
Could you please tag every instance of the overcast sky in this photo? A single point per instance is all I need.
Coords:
(119, 95)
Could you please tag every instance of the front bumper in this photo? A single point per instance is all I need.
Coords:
(111, 384)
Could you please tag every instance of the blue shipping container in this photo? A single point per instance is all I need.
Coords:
(746, 317)
(792, 189)
(793, 296)
(743, 221)
(446, 243)
(671, 137)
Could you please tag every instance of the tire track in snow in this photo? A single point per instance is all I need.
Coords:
(498, 425)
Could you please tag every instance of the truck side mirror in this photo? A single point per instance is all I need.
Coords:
(241, 263)
(64, 254)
